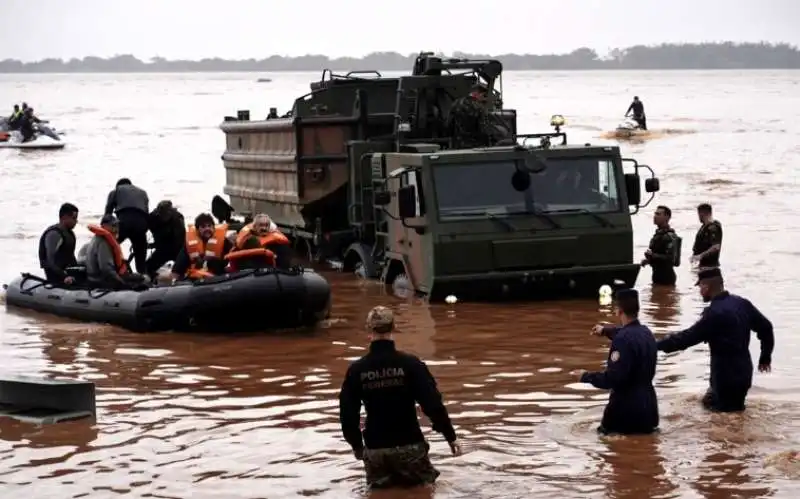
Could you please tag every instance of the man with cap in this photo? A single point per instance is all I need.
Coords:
(390, 383)
(469, 123)
(725, 325)
(105, 264)
(169, 236)
(632, 404)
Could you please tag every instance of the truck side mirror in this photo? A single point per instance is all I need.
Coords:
(407, 202)
(382, 198)
(652, 185)
(633, 189)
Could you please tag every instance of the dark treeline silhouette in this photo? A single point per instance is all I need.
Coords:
(726, 55)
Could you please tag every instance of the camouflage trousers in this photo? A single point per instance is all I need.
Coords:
(405, 466)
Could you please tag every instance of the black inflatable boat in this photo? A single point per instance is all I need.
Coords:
(250, 300)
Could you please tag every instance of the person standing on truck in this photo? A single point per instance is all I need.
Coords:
(632, 404)
(708, 241)
(725, 325)
(390, 383)
(639, 117)
(664, 252)
(131, 205)
(468, 122)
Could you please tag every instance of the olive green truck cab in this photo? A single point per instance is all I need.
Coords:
(531, 217)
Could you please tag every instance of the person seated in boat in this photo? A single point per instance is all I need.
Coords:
(106, 267)
(205, 249)
(57, 246)
(637, 107)
(26, 125)
(14, 117)
(260, 245)
(168, 227)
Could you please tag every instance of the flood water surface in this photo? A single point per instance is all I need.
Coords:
(256, 416)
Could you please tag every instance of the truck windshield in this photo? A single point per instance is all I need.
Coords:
(578, 184)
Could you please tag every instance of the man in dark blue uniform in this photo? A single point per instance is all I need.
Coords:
(632, 405)
(390, 383)
(725, 325)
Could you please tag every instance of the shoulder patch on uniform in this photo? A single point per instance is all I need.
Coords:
(614, 356)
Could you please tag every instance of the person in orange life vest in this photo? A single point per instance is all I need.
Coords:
(105, 264)
(205, 250)
(262, 234)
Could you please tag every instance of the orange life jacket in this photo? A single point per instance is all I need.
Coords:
(232, 257)
(273, 237)
(119, 260)
(199, 251)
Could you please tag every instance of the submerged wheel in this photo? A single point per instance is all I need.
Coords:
(360, 271)
(401, 286)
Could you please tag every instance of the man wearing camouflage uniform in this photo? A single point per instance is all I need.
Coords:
(663, 253)
(390, 383)
(469, 121)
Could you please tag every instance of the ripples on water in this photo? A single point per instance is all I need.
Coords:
(255, 416)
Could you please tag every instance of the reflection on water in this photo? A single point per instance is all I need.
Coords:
(246, 416)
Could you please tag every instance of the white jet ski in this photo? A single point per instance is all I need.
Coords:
(629, 128)
(40, 141)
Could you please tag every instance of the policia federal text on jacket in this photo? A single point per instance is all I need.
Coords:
(390, 383)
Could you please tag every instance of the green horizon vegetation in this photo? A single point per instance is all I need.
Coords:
(698, 56)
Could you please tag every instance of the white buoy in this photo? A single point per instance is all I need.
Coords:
(451, 299)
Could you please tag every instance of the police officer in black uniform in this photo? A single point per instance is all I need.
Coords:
(708, 241)
(390, 383)
(663, 254)
(632, 405)
(725, 325)
(57, 246)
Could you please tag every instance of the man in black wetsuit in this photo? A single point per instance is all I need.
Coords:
(663, 254)
(726, 325)
(390, 383)
(637, 107)
(26, 125)
(632, 357)
(131, 205)
(57, 246)
(168, 227)
(708, 241)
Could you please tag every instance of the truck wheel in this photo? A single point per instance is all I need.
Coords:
(360, 271)
(402, 287)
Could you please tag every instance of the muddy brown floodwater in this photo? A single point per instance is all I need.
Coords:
(201, 416)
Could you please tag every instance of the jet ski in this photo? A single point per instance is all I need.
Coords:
(629, 128)
(13, 140)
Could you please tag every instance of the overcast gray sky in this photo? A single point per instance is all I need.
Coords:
(240, 29)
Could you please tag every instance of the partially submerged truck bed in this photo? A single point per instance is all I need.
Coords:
(365, 171)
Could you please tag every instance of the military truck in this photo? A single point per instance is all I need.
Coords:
(364, 172)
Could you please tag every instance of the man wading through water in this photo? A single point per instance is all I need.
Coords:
(390, 383)
(663, 254)
(708, 241)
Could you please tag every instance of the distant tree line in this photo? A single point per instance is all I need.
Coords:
(726, 55)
